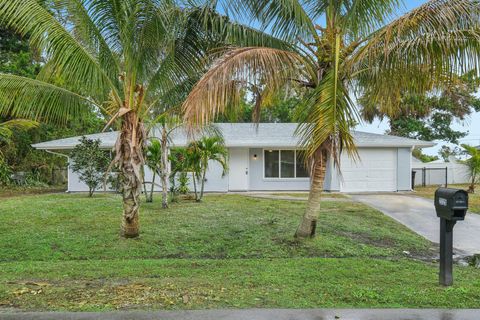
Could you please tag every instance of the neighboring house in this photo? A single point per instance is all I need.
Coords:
(439, 172)
(265, 158)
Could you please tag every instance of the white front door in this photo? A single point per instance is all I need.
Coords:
(238, 170)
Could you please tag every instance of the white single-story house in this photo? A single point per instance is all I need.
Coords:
(265, 158)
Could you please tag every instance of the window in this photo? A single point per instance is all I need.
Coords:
(284, 164)
(271, 163)
(300, 166)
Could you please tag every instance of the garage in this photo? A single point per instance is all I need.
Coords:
(375, 171)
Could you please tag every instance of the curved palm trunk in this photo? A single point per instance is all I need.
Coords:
(194, 179)
(152, 187)
(130, 162)
(204, 171)
(164, 169)
(308, 224)
(144, 185)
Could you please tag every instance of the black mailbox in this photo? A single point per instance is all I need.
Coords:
(451, 204)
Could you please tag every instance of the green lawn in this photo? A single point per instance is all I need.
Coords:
(473, 198)
(12, 191)
(63, 252)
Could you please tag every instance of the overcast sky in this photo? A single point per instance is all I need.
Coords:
(472, 125)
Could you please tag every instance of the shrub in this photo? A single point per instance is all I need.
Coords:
(90, 162)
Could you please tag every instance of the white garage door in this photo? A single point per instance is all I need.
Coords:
(375, 171)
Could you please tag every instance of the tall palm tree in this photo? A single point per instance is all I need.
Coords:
(209, 149)
(122, 57)
(338, 49)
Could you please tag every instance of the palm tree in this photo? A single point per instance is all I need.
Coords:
(336, 50)
(154, 162)
(123, 58)
(473, 164)
(209, 149)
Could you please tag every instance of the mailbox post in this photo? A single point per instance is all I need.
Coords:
(451, 206)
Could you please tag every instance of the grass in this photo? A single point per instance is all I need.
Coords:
(305, 195)
(473, 198)
(12, 191)
(63, 252)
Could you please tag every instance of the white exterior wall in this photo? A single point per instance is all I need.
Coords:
(379, 169)
(456, 171)
(74, 183)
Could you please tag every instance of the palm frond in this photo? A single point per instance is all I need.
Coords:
(7, 127)
(223, 82)
(326, 117)
(66, 55)
(22, 97)
(423, 49)
(287, 19)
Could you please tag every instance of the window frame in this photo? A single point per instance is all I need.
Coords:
(280, 165)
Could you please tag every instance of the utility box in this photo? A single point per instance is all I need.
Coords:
(451, 204)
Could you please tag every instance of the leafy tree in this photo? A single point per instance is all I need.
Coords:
(473, 163)
(446, 152)
(16, 56)
(429, 116)
(121, 57)
(356, 49)
(417, 153)
(209, 149)
(90, 162)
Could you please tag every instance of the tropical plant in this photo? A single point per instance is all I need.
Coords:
(7, 128)
(473, 164)
(334, 49)
(123, 58)
(90, 162)
(165, 124)
(154, 162)
(209, 148)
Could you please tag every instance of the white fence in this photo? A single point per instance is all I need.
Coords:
(440, 173)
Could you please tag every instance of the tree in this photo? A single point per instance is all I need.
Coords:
(6, 132)
(429, 116)
(90, 162)
(473, 164)
(446, 152)
(356, 49)
(122, 58)
(209, 149)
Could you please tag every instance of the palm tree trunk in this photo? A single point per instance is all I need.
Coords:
(130, 161)
(308, 224)
(194, 178)
(144, 185)
(152, 188)
(164, 169)
(203, 184)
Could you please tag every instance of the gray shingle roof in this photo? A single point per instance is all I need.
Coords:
(247, 135)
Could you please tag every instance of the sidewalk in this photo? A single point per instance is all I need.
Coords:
(258, 314)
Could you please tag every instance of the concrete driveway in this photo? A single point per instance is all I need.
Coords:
(419, 215)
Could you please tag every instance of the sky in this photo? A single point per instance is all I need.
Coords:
(471, 125)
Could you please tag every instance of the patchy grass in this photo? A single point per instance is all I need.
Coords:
(12, 191)
(473, 198)
(305, 195)
(63, 252)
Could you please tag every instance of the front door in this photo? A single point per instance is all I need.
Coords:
(238, 171)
